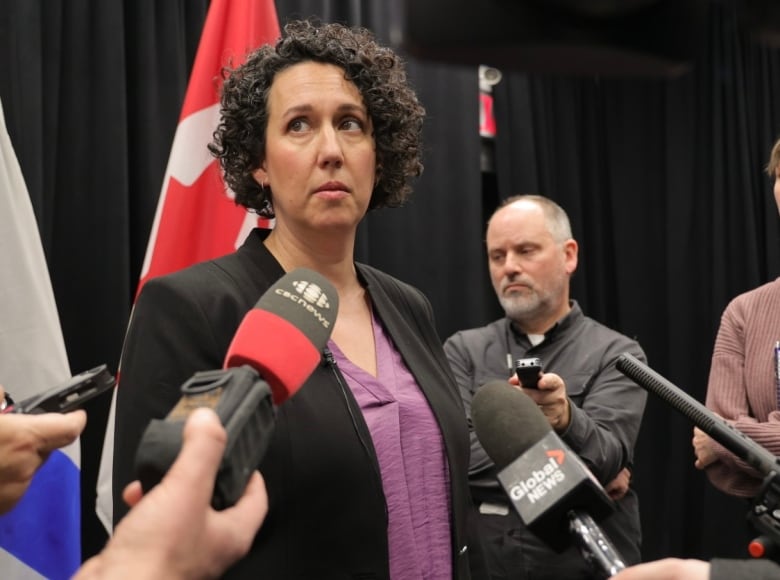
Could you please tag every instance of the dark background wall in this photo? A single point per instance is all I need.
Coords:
(650, 125)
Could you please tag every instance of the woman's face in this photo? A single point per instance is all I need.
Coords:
(320, 156)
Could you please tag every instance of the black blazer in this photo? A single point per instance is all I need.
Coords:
(327, 516)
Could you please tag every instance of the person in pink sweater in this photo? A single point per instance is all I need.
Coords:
(743, 386)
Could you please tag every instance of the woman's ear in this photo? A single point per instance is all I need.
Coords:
(261, 177)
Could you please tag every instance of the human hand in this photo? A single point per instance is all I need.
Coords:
(618, 487)
(26, 441)
(703, 448)
(666, 569)
(172, 531)
(550, 396)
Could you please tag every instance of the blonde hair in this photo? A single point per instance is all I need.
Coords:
(774, 160)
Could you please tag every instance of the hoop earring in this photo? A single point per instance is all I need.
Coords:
(268, 208)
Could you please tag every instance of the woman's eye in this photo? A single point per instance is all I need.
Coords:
(352, 125)
(297, 125)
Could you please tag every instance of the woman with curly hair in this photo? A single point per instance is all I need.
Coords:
(366, 469)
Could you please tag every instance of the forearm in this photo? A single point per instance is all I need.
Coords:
(603, 430)
(741, 389)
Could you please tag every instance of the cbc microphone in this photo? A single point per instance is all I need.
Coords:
(554, 493)
(282, 337)
(274, 351)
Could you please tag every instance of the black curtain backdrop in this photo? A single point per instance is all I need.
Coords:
(664, 182)
(663, 179)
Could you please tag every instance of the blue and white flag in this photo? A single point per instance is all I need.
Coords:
(41, 536)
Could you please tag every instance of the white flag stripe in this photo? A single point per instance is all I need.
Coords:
(13, 568)
(189, 159)
(32, 351)
(104, 506)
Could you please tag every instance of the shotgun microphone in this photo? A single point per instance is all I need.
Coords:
(764, 511)
(731, 438)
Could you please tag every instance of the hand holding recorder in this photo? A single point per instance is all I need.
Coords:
(547, 390)
(26, 442)
(31, 429)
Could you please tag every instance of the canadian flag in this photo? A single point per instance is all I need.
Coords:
(196, 216)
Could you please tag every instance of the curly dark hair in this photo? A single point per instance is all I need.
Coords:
(380, 77)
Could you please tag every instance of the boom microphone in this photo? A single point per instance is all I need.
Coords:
(764, 511)
(731, 438)
(279, 340)
(554, 493)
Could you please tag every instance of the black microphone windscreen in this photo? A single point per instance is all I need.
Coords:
(542, 477)
(727, 435)
(507, 421)
(305, 299)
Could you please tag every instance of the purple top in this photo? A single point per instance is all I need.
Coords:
(411, 456)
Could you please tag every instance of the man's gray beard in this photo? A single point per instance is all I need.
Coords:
(519, 307)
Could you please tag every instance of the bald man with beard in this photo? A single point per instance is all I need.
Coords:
(593, 407)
